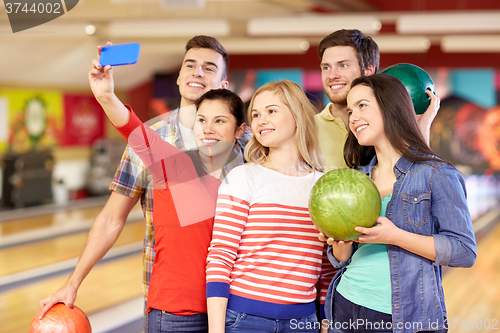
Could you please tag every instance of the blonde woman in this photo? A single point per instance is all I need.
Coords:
(265, 258)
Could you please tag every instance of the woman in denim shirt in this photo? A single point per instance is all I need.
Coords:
(390, 278)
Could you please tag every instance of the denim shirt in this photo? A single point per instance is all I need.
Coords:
(428, 198)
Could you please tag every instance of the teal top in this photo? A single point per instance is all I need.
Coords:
(367, 279)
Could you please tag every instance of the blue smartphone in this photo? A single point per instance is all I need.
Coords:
(121, 54)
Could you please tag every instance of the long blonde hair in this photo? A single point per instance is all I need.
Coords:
(303, 112)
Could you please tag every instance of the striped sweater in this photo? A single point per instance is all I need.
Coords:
(265, 256)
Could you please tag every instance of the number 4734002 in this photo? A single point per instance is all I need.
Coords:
(488, 324)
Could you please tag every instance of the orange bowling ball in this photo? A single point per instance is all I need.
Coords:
(61, 319)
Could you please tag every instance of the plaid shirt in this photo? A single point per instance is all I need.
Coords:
(133, 179)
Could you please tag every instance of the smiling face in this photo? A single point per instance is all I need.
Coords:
(365, 116)
(202, 70)
(215, 125)
(339, 67)
(272, 123)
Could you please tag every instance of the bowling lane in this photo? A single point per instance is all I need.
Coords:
(61, 218)
(29, 256)
(14, 226)
(473, 294)
(107, 285)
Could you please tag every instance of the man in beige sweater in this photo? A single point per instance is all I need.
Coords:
(346, 55)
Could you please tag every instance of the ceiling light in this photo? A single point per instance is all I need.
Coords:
(402, 44)
(471, 43)
(304, 45)
(182, 4)
(448, 23)
(90, 29)
(265, 45)
(320, 25)
(55, 29)
(235, 46)
(169, 28)
(377, 26)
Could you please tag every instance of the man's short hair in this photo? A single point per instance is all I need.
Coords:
(207, 42)
(365, 46)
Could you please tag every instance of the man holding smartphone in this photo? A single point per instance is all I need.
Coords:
(204, 67)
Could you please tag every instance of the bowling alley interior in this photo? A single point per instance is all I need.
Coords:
(59, 153)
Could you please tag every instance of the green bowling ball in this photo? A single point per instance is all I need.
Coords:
(341, 200)
(416, 81)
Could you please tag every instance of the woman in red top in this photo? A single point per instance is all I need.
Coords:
(185, 186)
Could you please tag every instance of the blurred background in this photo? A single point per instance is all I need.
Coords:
(58, 153)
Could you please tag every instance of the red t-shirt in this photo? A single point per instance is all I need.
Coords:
(183, 216)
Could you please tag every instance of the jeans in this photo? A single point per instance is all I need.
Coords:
(239, 322)
(145, 325)
(352, 318)
(161, 321)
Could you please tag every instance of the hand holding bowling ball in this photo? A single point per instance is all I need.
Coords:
(341, 200)
(61, 319)
(416, 82)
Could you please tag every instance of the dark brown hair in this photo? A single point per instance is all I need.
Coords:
(365, 46)
(207, 42)
(231, 99)
(237, 109)
(400, 123)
